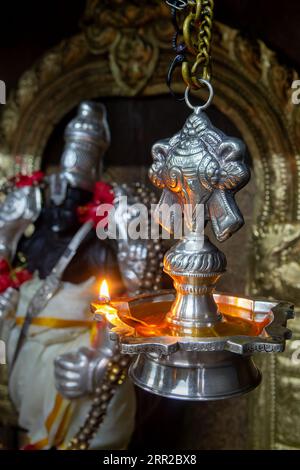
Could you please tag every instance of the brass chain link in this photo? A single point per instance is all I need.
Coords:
(197, 35)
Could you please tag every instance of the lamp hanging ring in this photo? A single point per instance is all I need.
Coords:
(177, 4)
(198, 109)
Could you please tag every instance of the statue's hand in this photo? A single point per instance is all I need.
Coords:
(78, 373)
(134, 254)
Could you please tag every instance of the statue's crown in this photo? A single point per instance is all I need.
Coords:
(87, 138)
(89, 125)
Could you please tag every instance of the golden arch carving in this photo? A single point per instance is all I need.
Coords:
(125, 51)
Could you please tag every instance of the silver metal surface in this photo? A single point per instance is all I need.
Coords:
(20, 208)
(177, 4)
(195, 376)
(274, 315)
(87, 138)
(78, 373)
(139, 259)
(200, 165)
(272, 339)
(198, 109)
(8, 302)
(8, 305)
(205, 368)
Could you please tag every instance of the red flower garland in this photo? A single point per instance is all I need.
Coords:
(10, 277)
(103, 194)
(20, 180)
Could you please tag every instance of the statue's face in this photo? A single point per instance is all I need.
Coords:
(62, 218)
(61, 213)
(21, 207)
(201, 165)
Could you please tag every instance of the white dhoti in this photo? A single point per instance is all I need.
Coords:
(64, 325)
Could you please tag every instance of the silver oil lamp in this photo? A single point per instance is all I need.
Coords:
(194, 343)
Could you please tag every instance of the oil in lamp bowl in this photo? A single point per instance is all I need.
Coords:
(193, 367)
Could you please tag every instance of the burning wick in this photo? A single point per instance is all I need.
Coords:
(104, 296)
(102, 309)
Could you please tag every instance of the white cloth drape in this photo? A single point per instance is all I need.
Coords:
(31, 383)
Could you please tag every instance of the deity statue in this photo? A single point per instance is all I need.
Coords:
(54, 343)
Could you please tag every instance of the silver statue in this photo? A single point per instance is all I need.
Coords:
(87, 138)
(8, 304)
(78, 373)
(139, 259)
(20, 208)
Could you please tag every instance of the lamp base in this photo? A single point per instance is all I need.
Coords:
(195, 376)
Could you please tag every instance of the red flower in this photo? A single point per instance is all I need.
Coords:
(27, 180)
(4, 266)
(21, 276)
(103, 194)
(5, 282)
(87, 212)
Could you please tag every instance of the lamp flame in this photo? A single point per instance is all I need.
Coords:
(104, 291)
(105, 309)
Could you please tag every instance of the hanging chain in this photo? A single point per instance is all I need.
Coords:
(197, 35)
(178, 46)
(177, 4)
(194, 52)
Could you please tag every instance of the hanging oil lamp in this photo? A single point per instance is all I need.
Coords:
(194, 343)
